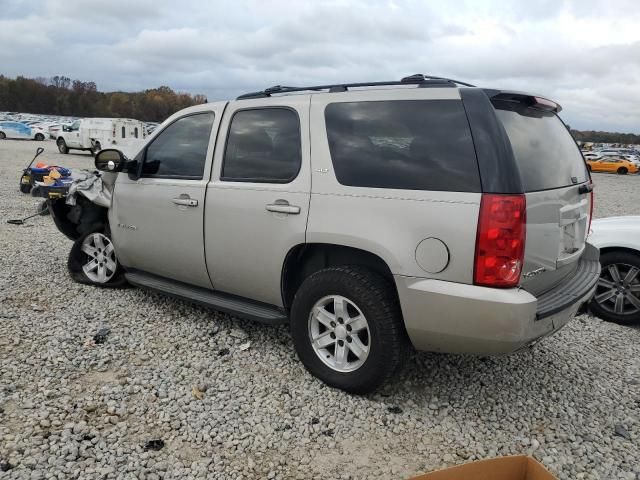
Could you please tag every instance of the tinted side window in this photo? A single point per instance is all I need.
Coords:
(404, 144)
(180, 150)
(263, 146)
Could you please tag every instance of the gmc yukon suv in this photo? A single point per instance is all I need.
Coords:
(368, 217)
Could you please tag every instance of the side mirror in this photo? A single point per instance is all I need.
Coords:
(110, 160)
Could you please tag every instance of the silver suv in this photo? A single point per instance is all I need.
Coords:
(368, 217)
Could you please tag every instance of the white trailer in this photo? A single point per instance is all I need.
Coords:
(95, 134)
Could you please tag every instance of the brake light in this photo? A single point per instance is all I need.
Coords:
(500, 240)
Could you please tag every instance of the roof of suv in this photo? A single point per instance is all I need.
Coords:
(418, 79)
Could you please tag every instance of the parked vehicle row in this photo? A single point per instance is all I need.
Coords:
(18, 130)
(53, 125)
(366, 219)
(620, 160)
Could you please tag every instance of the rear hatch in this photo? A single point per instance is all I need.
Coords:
(557, 188)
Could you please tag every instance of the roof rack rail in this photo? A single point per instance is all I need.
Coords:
(417, 79)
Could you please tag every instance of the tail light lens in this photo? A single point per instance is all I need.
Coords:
(500, 240)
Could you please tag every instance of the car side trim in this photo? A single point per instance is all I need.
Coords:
(232, 304)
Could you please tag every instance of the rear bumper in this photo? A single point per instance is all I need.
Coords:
(459, 318)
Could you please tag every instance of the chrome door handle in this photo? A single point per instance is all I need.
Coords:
(282, 206)
(185, 201)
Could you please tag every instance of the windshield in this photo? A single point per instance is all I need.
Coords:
(545, 152)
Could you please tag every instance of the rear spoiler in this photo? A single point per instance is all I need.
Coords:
(533, 101)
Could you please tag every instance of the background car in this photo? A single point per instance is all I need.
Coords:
(22, 130)
(618, 165)
(617, 297)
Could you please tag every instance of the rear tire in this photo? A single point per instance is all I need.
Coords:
(2, 136)
(62, 146)
(96, 148)
(39, 137)
(92, 260)
(622, 171)
(618, 288)
(589, 167)
(354, 315)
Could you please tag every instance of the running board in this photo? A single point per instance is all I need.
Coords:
(231, 304)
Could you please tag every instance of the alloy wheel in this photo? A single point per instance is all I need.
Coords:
(101, 263)
(339, 333)
(618, 289)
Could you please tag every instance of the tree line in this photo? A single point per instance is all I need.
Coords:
(61, 95)
(605, 137)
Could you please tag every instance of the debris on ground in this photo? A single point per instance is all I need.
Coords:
(621, 431)
(244, 346)
(154, 445)
(394, 409)
(196, 392)
(101, 336)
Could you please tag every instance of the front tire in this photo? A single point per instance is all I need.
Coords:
(96, 148)
(617, 297)
(622, 171)
(62, 146)
(347, 328)
(2, 136)
(93, 261)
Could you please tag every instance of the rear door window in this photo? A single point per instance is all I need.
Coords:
(402, 144)
(546, 154)
(263, 146)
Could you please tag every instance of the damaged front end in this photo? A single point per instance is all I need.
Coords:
(85, 207)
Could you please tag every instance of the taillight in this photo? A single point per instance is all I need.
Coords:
(500, 240)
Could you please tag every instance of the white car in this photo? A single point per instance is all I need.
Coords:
(12, 129)
(617, 297)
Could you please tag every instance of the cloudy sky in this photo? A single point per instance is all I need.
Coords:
(584, 54)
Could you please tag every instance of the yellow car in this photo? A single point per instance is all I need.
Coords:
(621, 166)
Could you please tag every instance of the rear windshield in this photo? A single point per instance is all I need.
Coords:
(545, 151)
(402, 144)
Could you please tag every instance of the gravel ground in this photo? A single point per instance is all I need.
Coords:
(182, 374)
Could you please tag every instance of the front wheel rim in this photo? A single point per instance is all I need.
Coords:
(618, 289)
(100, 264)
(339, 333)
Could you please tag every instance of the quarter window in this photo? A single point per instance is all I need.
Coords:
(263, 146)
(180, 150)
(402, 144)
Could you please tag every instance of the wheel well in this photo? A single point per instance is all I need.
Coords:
(619, 249)
(305, 259)
(74, 221)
